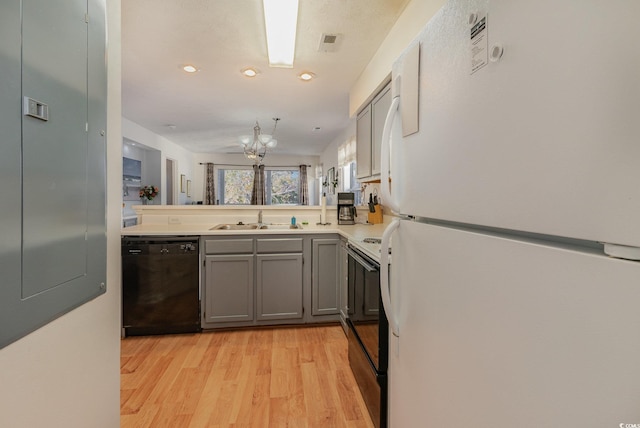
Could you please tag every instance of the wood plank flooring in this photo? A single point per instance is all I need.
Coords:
(279, 377)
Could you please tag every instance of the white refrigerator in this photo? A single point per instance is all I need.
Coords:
(513, 143)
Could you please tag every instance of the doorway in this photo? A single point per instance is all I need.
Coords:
(170, 168)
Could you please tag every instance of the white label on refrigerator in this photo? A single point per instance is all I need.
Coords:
(479, 45)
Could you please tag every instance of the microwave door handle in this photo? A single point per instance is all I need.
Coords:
(385, 293)
(368, 266)
(385, 149)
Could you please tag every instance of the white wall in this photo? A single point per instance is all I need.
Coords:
(240, 159)
(415, 16)
(67, 373)
(134, 132)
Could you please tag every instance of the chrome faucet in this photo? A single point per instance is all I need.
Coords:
(260, 217)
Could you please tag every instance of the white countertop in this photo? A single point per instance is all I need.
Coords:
(354, 233)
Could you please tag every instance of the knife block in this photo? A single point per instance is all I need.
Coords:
(376, 217)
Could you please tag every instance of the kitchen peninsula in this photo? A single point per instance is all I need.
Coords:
(258, 270)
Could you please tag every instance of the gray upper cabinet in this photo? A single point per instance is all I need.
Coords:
(379, 109)
(52, 160)
(325, 282)
(369, 127)
(363, 143)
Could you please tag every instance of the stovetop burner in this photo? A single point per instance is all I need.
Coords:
(372, 240)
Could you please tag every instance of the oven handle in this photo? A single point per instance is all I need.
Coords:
(384, 277)
(369, 267)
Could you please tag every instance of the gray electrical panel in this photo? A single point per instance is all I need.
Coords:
(53, 98)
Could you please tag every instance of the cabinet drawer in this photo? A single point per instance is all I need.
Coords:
(284, 245)
(229, 246)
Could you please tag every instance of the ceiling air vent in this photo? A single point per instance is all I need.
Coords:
(330, 42)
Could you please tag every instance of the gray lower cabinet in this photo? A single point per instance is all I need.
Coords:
(325, 278)
(251, 280)
(279, 286)
(228, 293)
(279, 281)
(344, 284)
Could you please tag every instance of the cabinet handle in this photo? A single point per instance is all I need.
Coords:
(369, 267)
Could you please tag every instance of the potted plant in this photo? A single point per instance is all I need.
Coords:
(147, 193)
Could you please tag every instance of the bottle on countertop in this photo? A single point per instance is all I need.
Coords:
(293, 221)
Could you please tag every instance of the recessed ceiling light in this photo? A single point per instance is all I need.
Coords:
(306, 76)
(250, 72)
(189, 68)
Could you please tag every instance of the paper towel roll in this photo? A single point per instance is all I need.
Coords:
(323, 209)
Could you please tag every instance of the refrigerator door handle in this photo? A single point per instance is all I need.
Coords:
(385, 155)
(385, 293)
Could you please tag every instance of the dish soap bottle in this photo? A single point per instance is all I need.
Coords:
(293, 221)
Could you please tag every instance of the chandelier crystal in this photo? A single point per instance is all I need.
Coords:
(255, 148)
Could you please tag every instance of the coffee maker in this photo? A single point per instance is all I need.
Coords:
(346, 208)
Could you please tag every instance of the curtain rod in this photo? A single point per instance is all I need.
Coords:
(270, 166)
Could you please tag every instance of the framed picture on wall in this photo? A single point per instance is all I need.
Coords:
(331, 180)
(183, 184)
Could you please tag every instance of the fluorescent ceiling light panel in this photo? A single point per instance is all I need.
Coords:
(281, 20)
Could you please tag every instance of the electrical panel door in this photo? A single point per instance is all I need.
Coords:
(52, 158)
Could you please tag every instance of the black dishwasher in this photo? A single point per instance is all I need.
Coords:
(160, 285)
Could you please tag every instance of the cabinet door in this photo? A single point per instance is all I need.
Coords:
(380, 107)
(279, 286)
(363, 143)
(228, 288)
(325, 279)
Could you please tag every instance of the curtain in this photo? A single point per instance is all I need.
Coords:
(210, 190)
(258, 192)
(304, 186)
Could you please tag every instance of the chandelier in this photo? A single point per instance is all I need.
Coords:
(256, 148)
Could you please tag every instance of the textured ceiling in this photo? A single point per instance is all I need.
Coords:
(212, 107)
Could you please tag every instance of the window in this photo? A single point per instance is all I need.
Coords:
(282, 186)
(349, 181)
(347, 164)
(234, 186)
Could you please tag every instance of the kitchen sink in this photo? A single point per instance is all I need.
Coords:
(280, 226)
(238, 226)
(256, 226)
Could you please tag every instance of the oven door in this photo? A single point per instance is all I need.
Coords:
(368, 334)
(364, 303)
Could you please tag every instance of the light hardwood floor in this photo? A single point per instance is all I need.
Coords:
(279, 377)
